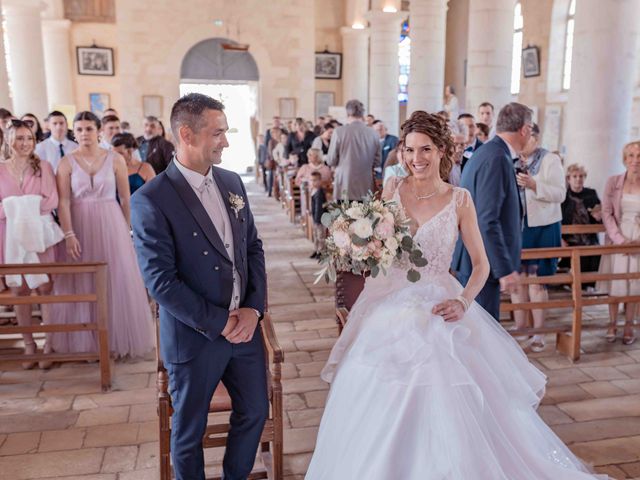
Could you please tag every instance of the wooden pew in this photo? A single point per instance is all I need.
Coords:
(292, 198)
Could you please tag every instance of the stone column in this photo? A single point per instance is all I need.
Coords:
(489, 53)
(5, 97)
(384, 67)
(428, 39)
(355, 64)
(57, 61)
(24, 43)
(601, 94)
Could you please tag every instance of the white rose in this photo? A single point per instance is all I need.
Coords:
(341, 240)
(362, 228)
(392, 244)
(354, 212)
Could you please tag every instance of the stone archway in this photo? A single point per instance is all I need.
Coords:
(214, 59)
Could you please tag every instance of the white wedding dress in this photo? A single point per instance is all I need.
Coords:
(416, 398)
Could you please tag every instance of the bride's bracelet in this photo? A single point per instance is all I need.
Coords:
(463, 301)
(69, 234)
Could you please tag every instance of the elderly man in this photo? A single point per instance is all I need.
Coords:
(355, 152)
(155, 149)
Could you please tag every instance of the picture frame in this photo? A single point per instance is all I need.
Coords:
(99, 102)
(95, 61)
(324, 100)
(152, 105)
(531, 62)
(328, 65)
(287, 108)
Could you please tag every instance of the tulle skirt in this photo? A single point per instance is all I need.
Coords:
(104, 237)
(417, 398)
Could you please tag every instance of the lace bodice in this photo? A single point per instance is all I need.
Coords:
(437, 237)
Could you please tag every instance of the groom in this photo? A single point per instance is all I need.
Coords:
(490, 178)
(202, 261)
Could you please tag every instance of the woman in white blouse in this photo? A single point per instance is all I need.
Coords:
(541, 179)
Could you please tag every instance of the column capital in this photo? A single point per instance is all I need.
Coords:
(23, 7)
(354, 32)
(386, 17)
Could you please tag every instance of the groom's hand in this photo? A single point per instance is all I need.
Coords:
(247, 322)
(231, 324)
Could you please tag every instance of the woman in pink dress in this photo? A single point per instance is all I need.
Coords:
(96, 229)
(22, 173)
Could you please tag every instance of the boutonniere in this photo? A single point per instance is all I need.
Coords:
(236, 202)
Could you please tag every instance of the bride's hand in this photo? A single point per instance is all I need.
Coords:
(450, 310)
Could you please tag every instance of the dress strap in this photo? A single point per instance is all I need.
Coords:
(461, 196)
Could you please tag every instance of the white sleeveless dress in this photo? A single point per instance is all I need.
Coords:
(416, 398)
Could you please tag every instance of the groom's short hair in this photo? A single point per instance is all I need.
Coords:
(188, 111)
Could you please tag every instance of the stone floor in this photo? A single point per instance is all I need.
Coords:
(57, 423)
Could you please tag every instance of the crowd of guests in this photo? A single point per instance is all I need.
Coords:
(344, 162)
(65, 197)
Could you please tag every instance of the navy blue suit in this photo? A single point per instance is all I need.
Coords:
(188, 272)
(490, 178)
(389, 143)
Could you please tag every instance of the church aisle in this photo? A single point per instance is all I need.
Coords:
(57, 423)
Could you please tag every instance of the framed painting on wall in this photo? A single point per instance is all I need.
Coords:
(324, 100)
(152, 105)
(99, 102)
(287, 108)
(531, 62)
(328, 65)
(95, 61)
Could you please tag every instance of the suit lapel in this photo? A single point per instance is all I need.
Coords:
(224, 192)
(196, 209)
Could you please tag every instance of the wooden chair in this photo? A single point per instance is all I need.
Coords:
(305, 211)
(292, 199)
(271, 443)
(348, 288)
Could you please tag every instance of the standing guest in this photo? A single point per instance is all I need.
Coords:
(270, 163)
(5, 119)
(34, 124)
(278, 153)
(451, 105)
(620, 213)
(154, 148)
(460, 140)
(22, 173)
(581, 206)
(261, 155)
(110, 127)
(203, 263)
(490, 179)
(126, 127)
(315, 165)
(474, 142)
(96, 229)
(370, 120)
(485, 114)
(276, 124)
(54, 148)
(299, 142)
(483, 132)
(109, 112)
(354, 152)
(542, 190)
(139, 172)
(319, 126)
(387, 141)
(323, 141)
(394, 166)
(318, 200)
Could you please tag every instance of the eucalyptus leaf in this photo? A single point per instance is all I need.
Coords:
(413, 275)
(420, 262)
(327, 219)
(360, 242)
(375, 270)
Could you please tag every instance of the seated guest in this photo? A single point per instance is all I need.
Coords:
(22, 173)
(620, 212)
(323, 141)
(154, 148)
(34, 124)
(483, 132)
(299, 141)
(318, 200)
(139, 172)
(58, 144)
(581, 206)
(110, 127)
(394, 166)
(387, 142)
(542, 188)
(315, 165)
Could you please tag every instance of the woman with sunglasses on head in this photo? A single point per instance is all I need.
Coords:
(22, 173)
(96, 229)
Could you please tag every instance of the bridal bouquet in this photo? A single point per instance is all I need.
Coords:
(367, 237)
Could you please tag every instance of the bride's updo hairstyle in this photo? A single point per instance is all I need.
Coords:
(437, 129)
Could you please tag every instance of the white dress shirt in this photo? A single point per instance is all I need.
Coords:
(49, 150)
(207, 191)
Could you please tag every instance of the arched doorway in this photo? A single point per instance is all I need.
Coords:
(222, 69)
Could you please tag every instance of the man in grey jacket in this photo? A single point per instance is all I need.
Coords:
(355, 152)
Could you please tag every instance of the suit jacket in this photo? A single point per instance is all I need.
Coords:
(184, 263)
(490, 178)
(159, 153)
(612, 209)
(355, 152)
(389, 143)
(468, 153)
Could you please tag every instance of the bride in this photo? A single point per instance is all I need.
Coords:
(424, 383)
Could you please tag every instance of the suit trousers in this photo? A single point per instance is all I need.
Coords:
(241, 368)
(489, 296)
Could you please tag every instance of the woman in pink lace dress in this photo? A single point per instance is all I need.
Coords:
(22, 173)
(96, 229)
